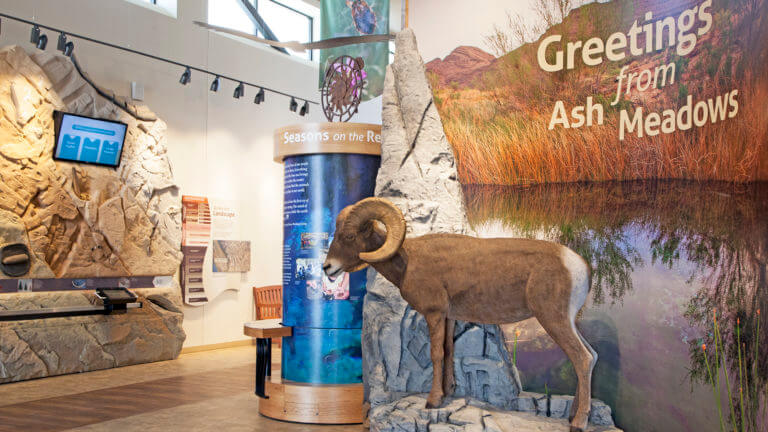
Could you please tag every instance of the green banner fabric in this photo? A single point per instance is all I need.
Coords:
(357, 18)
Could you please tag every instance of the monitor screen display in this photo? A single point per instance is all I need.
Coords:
(88, 140)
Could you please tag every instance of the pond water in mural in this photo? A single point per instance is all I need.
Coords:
(677, 266)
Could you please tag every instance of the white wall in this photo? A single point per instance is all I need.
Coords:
(218, 146)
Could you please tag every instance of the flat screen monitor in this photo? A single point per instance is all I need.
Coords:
(88, 140)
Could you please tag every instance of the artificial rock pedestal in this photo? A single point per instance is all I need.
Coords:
(418, 174)
(83, 221)
(472, 415)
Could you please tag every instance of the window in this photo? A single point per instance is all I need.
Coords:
(167, 7)
(230, 14)
(284, 20)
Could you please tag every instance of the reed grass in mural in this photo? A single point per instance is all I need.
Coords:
(744, 416)
(497, 116)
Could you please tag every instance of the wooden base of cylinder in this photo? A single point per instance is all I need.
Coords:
(303, 403)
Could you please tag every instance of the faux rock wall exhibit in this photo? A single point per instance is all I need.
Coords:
(80, 220)
(418, 174)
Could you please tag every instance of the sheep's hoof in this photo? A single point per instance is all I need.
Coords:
(434, 401)
(579, 424)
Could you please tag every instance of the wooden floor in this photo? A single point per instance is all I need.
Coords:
(67, 412)
(163, 397)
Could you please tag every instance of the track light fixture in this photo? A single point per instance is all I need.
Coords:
(62, 41)
(42, 42)
(304, 109)
(259, 97)
(186, 77)
(215, 84)
(239, 91)
(294, 105)
(69, 48)
(34, 36)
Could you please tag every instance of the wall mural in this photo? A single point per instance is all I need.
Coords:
(75, 220)
(635, 133)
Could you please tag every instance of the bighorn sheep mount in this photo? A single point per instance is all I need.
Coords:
(447, 277)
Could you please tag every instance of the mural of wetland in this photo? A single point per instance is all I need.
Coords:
(678, 266)
(669, 258)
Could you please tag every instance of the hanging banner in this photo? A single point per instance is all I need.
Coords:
(357, 18)
(195, 235)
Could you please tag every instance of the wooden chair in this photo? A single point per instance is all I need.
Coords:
(269, 303)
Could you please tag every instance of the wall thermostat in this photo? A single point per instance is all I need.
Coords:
(137, 91)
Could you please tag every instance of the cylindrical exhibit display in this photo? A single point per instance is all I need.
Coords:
(327, 167)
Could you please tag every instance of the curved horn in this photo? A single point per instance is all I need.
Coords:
(385, 212)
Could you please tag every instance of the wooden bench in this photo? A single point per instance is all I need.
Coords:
(264, 331)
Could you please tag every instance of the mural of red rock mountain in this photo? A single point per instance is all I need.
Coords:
(462, 66)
